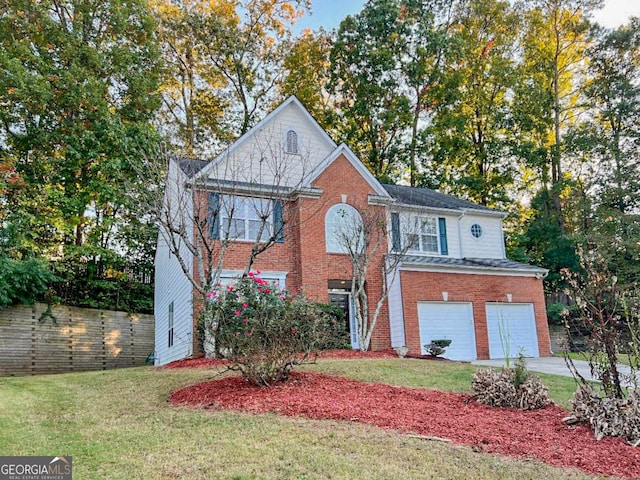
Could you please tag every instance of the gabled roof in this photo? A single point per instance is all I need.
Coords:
(343, 149)
(190, 166)
(425, 197)
(292, 100)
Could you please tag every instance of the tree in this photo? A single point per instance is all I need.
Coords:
(556, 37)
(610, 313)
(362, 234)
(77, 94)
(306, 66)
(472, 124)
(196, 208)
(607, 143)
(385, 63)
(192, 109)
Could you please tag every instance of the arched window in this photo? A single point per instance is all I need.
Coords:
(343, 229)
(291, 142)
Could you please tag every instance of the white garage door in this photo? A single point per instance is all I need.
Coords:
(449, 320)
(512, 329)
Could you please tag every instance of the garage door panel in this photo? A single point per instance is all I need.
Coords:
(512, 329)
(448, 320)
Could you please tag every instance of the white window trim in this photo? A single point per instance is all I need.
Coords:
(406, 221)
(332, 244)
(224, 220)
(478, 238)
(278, 276)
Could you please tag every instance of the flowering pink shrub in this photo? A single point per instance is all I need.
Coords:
(263, 331)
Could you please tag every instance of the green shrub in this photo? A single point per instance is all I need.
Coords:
(437, 347)
(22, 281)
(263, 331)
(337, 336)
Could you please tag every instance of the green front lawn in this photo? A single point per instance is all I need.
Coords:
(118, 425)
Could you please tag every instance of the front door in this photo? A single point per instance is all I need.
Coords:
(342, 300)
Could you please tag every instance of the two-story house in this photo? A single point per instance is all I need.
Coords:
(454, 281)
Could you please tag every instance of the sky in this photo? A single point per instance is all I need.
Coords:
(329, 13)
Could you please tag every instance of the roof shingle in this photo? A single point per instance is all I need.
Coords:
(425, 197)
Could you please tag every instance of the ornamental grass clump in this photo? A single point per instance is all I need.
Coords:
(510, 388)
(263, 331)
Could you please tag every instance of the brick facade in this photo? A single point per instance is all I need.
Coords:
(309, 267)
(303, 254)
(477, 289)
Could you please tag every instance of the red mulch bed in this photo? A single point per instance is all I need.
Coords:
(202, 362)
(540, 434)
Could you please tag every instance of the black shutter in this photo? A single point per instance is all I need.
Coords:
(214, 216)
(278, 223)
(442, 226)
(395, 232)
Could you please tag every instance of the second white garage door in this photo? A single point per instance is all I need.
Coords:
(512, 329)
(449, 320)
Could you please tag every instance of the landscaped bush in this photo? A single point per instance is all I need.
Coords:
(337, 336)
(608, 416)
(437, 347)
(510, 387)
(22, 281)
(263, 331)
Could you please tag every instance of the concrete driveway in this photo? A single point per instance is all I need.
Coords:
(553, 365)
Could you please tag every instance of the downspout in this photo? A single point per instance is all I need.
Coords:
(460, 234)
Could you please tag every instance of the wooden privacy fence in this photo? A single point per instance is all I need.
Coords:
(78, 339)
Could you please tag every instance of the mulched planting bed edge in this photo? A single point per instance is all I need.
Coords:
(540, 433)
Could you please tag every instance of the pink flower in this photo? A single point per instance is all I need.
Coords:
(248, 334)
(245, 320)
(212, 294)
(245, 305)
(238, 312)
(266, 290)
(293, 331)
(235, 334)
(258, 272)
(282, 297)
(251, 274)
(230, 288)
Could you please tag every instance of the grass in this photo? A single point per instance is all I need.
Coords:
(437, 375)
(118, 425)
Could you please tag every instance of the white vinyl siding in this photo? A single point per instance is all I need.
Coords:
(172, 287)
(512, 329)
(262, 157)
(396, 315)
(489, 245)
(448, 320)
